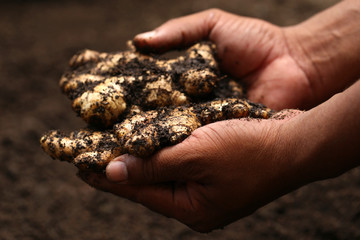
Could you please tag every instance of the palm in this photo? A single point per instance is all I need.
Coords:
(205, 199)
(280, 84)
(257, 52)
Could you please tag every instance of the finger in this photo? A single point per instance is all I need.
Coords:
(170, 164)
(186, 161)
(179, 32)
(235, 38)
(99, 181)
(159, 198)
(130, 169)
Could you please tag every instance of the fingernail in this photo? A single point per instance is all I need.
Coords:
(117, 172)
(146, 35)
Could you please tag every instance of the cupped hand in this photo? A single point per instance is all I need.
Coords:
(222, 172)
(227, 170)
(259, 53)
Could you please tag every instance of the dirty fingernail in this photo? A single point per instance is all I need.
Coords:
(116, 171)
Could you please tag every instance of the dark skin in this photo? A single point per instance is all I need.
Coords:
(251, 49)
(229, 169)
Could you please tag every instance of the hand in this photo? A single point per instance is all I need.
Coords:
(293, 67)
(228, 169)
(222, 172)
(251, 49)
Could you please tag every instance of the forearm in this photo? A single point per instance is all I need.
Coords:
(327, 48)
(326, 139)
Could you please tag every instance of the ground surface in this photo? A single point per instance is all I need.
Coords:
(43, 199)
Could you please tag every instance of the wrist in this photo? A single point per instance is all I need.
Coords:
(288, 151)
(327, 50)
(323, 142)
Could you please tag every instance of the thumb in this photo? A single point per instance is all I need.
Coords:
(179, 32)
(165, 166)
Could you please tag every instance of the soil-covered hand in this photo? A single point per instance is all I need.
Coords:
(222, 172)
(283, 67)
(250, 49)
(227, 170)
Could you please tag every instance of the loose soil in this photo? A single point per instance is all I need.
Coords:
(43, 199)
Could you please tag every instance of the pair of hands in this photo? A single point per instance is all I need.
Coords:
(227, 170)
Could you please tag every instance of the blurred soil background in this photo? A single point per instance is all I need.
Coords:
(43, 199)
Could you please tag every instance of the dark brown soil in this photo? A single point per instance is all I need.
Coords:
(43, 199)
